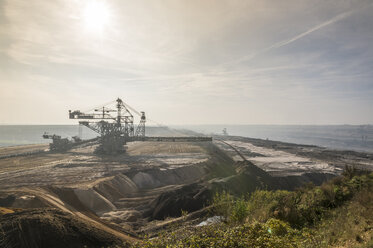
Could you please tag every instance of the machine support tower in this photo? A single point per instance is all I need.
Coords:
(115, 131)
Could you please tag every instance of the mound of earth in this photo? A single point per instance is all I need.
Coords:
(51, 228)
(247, 179)
(188, 198)
(195, 196)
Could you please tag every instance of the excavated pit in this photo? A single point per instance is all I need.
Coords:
(135, 190)
(121, 190)
(153, 181)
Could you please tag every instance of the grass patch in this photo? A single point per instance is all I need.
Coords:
(338, 213)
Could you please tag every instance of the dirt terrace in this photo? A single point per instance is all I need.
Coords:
(81, 165)
(287, 159)
(134, 192)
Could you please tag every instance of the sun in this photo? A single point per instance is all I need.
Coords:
(96, 16)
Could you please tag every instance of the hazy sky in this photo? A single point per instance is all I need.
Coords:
(190, 61)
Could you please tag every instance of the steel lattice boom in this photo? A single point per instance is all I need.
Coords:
(115, 126)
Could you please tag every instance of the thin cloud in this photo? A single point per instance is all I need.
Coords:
(170, 55)
(299, 36)
(320, 26)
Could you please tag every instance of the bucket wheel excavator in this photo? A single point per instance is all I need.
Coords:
(115, 125)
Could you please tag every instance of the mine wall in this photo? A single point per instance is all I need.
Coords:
(131, 199)
(157, 194)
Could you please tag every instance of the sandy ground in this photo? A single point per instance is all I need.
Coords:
(119, 189)
(286, 159)
(99, 183)
(81, 165)
(22, 149)
(278, 162)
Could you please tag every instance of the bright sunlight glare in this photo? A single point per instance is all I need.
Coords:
(96, 16)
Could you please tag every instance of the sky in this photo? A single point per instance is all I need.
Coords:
(189, 61)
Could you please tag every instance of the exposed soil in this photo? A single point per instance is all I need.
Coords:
(149, 186)
(286, 159)
(52, 228)
(10, 150)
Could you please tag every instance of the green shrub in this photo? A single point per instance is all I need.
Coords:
(278, 227)
(329, 215)
(239, 211)
(224, 236)
(263, 204)
(222, 204)
(349, 172)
